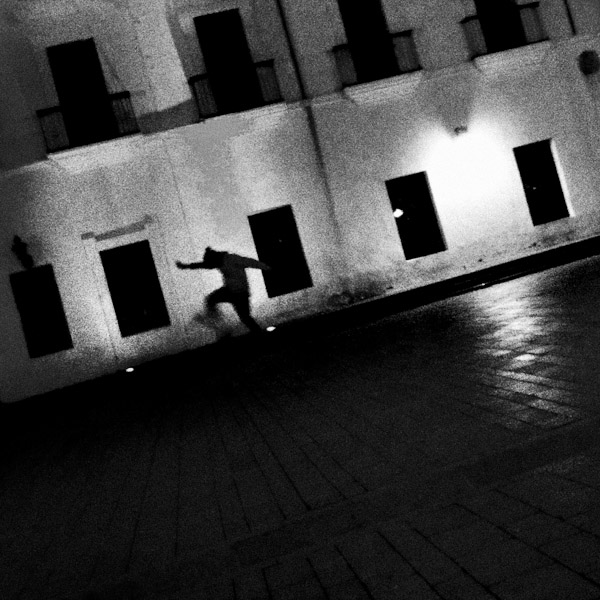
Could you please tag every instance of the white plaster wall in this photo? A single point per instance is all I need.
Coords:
(196, 186)
(231, 167)
(474, 179)
(586, 14)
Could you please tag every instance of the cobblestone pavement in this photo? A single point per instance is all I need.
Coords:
(450, 451)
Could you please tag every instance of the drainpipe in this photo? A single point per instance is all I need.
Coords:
(338, 263)
(570, 17)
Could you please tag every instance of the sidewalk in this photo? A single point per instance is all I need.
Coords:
(450, 451)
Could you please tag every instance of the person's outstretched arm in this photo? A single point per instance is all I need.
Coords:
(251, 263)
(196, 265)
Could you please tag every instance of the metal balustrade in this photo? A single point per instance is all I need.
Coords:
(531, 21)
(56, 134)
(205, 99)
(405, 50)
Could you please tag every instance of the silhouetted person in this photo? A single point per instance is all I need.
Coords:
(236, 290)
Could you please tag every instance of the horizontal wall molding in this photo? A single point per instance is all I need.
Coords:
(119, 231)
(101, 154)
(384, 89)
(519, 60)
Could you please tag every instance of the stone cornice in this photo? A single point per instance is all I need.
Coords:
(99, 155)
(384, 89)
(519, 59)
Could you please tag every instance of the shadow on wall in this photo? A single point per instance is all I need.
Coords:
(180, 115)
(21, 142)
(454, 103)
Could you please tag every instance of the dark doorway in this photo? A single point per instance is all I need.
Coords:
(41, 310)
(278, 244)
(370, 43)
(415, 216)
(134, 288)
(541, 182)
(501, 24)
(82, 93)
(231, 71)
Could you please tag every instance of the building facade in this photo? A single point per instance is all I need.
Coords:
(363, 149)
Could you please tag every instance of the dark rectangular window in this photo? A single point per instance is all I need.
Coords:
(501, 24)
(483, 35)
(415, 215)
(369, 41)
(232, 75)
(134, 288)
(85, 103)
(278, 244)
(41, 310)
(541, 182)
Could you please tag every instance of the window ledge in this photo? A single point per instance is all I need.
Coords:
(383, 89)
(101, 154)
(515, 59)
(261, 112)
(579, 43)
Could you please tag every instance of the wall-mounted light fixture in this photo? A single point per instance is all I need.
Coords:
(398, 213)
(19, 248)
(460, 129)
(589, 62)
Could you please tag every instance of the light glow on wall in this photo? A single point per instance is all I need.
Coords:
(474, 179)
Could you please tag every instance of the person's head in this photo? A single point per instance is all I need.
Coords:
(212, 257)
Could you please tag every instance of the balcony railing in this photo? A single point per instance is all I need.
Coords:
(55, 131)
(405, 50)
(205, 99)
(531, 21)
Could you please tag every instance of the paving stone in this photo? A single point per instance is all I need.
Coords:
(427, 560)
(293, 578)
(539, 528)
(335, 574)
(580, 552)
(548, 583)
(430, 522)
(555, 495)
(401, 589)
(588, 521)
(357, 464)
(497, 507)
(251, 585)
(463, 587)
(371, 557)
(471, 540)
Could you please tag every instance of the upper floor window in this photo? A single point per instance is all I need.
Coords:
(41, 310)
(87, 113)
(502, 25)
(233, 82)
(405, 50)
(373, 53)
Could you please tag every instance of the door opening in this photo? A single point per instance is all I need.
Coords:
(231, 71)
(415, 215)
(541, 182)
(82, 94)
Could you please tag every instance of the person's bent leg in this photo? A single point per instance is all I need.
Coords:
(217, 297)
(241, 304)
